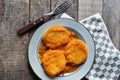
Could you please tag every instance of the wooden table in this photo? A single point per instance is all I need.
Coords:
(14, 14)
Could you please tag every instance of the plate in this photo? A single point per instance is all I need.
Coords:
(81, 32)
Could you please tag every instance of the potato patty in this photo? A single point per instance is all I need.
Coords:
(76, 52)
(54, 62)
(56, 36)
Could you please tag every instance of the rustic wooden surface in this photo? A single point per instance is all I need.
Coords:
(14, 14)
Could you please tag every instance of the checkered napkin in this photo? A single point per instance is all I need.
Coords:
(106, 65)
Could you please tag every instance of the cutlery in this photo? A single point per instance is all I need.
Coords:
(57, 10)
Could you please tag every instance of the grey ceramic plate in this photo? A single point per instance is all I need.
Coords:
(81, 32)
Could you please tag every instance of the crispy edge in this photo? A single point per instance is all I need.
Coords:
(53, 59)
(76, 44)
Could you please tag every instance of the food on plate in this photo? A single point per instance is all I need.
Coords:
(76, 52)
(54, 62)
(61, 51)
(69, 68)
(42, 48)
(56, 36)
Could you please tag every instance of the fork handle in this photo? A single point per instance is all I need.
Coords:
(32, 25)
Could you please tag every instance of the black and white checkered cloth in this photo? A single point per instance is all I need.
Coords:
(107, 58)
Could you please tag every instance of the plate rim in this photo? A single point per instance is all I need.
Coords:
(46, 28)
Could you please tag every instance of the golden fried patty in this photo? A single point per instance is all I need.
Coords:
(76, 52)
(56, 36)
(53, 62)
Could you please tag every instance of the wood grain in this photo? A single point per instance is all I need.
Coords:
(111, 15)
(89, 7)
(13, 49)
(38, 8)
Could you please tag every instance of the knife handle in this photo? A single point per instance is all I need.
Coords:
(32, 25)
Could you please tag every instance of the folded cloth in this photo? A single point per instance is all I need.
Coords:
(106, 65)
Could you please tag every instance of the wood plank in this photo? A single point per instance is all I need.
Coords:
(72, 11)
(111, 15)
(13, 49)
(38, 8)
(89, 7)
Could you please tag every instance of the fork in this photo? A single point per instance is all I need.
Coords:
(57, 10)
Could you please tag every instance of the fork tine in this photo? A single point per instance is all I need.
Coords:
(65, 6)
(62, 7)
